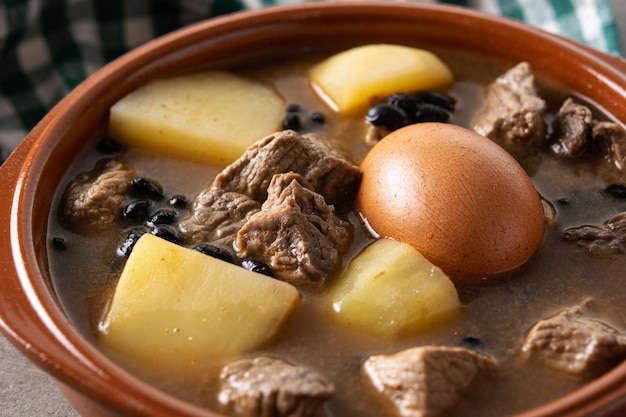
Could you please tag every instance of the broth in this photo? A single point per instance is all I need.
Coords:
(494, 317)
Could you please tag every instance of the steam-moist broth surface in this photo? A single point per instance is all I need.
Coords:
(561, 276)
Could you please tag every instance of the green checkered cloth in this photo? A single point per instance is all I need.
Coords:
(47, 47)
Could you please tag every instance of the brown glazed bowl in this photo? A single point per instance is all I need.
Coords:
(30, 314)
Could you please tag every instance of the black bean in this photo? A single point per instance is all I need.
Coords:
(616, 190)
(214, 251)
(318, 117)
(471, 342)
(163, 216)
(563, 201)
(444, 101)
(166, 232)
(178, 201)
(137, 210)
(430, 113)
(129, 243)
(384, 114)
(143, 187)
(292, 121)
(406, 102)
(293, 108)
(109, 146)
(257, 266)
(59, 243)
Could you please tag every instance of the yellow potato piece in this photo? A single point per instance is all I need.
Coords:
(175, 304)
(350, 80)
(390, 290)
(211, 116)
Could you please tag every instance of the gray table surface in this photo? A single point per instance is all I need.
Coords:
(26, 391)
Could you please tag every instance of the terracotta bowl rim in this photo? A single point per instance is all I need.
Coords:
(33, 321)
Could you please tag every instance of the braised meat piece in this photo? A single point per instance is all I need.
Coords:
(513, 111)
(322, 165)
(426, 381)
(607, 239)
(269, 387)
(296, 232)
(274, 204)
(577, 133)
(572, 129)
(95, 199)
(573, 343)
(612, 137)
(217, 215)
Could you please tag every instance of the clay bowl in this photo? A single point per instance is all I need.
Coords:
(31, 316)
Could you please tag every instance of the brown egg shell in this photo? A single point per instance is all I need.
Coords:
(457, 197)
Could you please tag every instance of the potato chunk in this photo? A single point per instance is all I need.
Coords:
(350, 80)
(390, 290)
(210, 116)
(173, 303)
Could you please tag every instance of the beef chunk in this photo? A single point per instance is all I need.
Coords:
(269, 387)
(296, 233)
(612, 139)
(573, 343)
(577, 133)
(322, 165)
(572, 129)
(274, 202)
(607, 239)
(426, 381)
(95, 199)
(513, 112)
(217, 215)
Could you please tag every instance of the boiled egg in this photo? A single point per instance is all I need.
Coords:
(457, 197)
